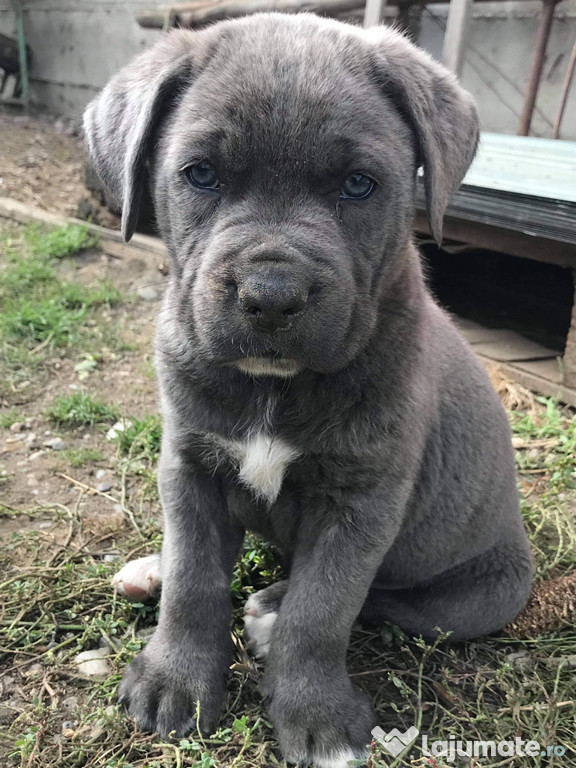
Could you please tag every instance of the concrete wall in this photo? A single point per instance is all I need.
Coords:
(498, 58)
(78, 44)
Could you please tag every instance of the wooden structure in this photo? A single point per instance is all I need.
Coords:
(519, 198)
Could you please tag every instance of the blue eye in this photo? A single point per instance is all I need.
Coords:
(357, 187)
(202, 176)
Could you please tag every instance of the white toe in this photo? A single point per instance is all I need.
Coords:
(139, 579)
(339, 759)
(258, 627)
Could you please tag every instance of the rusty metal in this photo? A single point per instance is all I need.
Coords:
(542, 37)
(565, 91)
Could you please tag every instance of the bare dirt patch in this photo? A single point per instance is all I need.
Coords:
(42, 162)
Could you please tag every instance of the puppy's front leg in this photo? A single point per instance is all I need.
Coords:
(319, 715)
(186, 661)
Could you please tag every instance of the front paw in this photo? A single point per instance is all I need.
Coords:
(163, 686)
(322, 720)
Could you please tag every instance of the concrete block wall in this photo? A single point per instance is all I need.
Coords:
(78, 44)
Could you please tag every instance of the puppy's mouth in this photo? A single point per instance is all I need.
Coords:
(268, 366)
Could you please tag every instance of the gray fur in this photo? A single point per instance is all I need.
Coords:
(399, 500)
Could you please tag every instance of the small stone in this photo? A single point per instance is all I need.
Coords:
(111, 557)
(94, 663)
(18, 426)
(71, 703)
(520, 660)
(36, 455)
(56, 443)
(31, 440)
(31, 480)
(120, 426)
(104, 487)
(34, 670)
(14, 440)
(100, 474)
(148, 293)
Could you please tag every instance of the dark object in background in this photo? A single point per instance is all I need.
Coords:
(501, 291)
(9, 60)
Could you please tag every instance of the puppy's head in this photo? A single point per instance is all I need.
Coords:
(283, 153)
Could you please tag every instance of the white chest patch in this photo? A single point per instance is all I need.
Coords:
(262, 463)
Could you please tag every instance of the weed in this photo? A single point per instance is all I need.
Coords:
(79, 409)
(8, 416)
(141, 438)
(60, 242)
(546, 460)
(79, 457)
(40, 311)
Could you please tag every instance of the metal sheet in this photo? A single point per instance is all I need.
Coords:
(522, 184)
(525, 165)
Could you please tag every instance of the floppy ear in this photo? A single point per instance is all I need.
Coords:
(120, 124)
(441, 113)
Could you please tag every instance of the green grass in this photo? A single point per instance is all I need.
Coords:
(79, 409)
(548, 458)
(142, 438)
(79, 457)
(60, 242)
(40, 310)
(8, 416)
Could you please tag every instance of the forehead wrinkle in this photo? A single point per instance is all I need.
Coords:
(299, 113)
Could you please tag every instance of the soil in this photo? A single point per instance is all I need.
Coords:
(43, 162)
(32, 472)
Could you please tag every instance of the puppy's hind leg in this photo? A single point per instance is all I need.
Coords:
(260, 614)
(139, 579)
(472, 599)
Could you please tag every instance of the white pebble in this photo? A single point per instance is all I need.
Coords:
(94, 663)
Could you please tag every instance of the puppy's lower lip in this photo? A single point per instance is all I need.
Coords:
(268, 366)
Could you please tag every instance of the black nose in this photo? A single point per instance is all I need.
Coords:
(271, 299)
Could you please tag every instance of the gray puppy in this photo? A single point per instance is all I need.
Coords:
(312, 390)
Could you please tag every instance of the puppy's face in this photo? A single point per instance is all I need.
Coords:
(283, 175)
(284, 187)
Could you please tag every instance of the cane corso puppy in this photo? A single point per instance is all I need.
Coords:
(312, 390)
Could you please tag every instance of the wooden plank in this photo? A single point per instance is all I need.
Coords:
(474, 333)
(546, 369)
(456, 35)
(205, 12)
(14, 209)
(533, 381)
(502, 240)
(507, 346)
